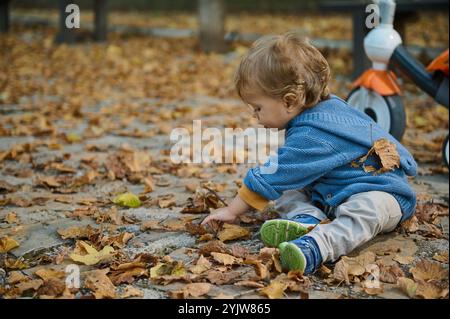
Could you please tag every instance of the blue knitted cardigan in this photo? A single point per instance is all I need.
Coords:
(320, 144)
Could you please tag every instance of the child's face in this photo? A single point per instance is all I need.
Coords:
(269, 111)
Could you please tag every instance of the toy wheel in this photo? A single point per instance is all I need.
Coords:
(445, 151)
(386, 111)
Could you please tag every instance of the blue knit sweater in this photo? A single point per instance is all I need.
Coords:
(320, 144)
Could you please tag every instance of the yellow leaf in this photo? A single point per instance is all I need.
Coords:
(7, 243)
(93, 256)
(128, 200)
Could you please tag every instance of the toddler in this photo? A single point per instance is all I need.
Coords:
(285, 80)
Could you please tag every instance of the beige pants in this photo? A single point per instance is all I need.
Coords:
(359, 219)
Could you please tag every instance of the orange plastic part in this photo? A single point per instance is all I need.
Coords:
(380, 81)
(440, 63)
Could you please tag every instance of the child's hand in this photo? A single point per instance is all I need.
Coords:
(224, 214)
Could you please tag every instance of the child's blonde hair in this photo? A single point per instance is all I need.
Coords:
(284, 64)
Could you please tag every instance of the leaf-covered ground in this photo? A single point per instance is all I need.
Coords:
(81, 125)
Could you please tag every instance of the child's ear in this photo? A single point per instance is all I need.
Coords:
(290, 101)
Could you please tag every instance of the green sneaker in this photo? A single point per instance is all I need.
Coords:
(274, 232)
(292, 257)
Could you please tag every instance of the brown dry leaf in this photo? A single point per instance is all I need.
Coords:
(214, 246)
(49, 273)
(275, 290)
(11, 218)
(371, 289)
(52, 287)
(149, 184)
(7, 244)
(355, 266)
(431, 290)
(249, 283)
(225, 259)
(390, 274)
(387, 154)
(195, 229)
(201, 266)
(118, 241)
(27, 285)
(100, 284)
(260, 269)
(174, 224)
(130, 291)
(222, 278)
(411, 225)
(166, 201)
(77, 232)
(403, 260)
(151, 225)
(197, 289)
(49, 181)
(127, 276)
(16, 277)
(231, 232)
(441, 256)
(428, 270)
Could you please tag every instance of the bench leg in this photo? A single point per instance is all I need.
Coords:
(211, 16)
(360, 60)
(4, 15)
(101, 24)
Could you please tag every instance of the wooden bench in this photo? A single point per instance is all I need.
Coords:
(405, 13)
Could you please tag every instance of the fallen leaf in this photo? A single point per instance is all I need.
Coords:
(408, 286)
(404, 260)
(52, 287)
(275, 290)
(201, 266)
(100, 284)
(441, 256)
(127, 200)
(16, 277)
(130, 291)
(93, 256)
(151, 225)
(11, 218)
(49, 273)
(27, 285)
(77, 232)
(428, 270)
(166, 201)
(225, 259)
(390, 274)
(194, 289)
(387, 154)
(231, 232)
(7, 244)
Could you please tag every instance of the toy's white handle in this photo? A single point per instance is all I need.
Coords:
(387, 11)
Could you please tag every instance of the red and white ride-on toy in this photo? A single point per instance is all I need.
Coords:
(377, 93)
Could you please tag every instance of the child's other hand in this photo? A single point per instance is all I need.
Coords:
(223, 214)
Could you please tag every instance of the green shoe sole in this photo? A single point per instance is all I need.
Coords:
(277, 231)
(291, 256)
